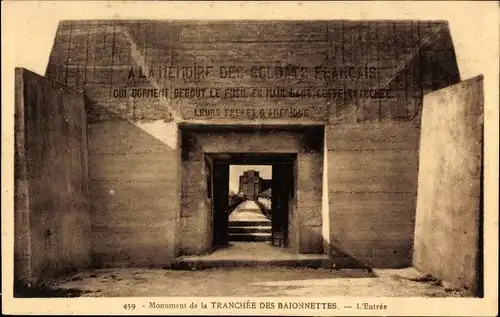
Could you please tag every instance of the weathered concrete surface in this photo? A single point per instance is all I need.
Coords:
(401, 56)
(371, 213)
(135, 192)
(51, 180)
(308, 204)
(372, 183)
(449, 215)
(373, 160)
(254, 253)
(255, 282)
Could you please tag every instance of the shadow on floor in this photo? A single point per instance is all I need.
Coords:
(42, 291)
(261, 255)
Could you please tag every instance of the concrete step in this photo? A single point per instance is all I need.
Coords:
(249, 223)
(250, 229)
(200, 264)
(263, 254)
(254, 210)
(250, 236)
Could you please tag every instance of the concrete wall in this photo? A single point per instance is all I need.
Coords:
(372, 182)
(134, 156)
(134, 191)
(308, 207)
(195, 224)
(51, 179)
(102, 56)
(371, 143)
(373, 153)
(305, 220)
(449, 215)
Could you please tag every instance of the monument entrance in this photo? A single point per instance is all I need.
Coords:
(290, 201)
(169, 105)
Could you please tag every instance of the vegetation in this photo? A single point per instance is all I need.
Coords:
(234, 200)
(266, 210)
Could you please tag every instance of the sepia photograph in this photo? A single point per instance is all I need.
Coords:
(229, 163)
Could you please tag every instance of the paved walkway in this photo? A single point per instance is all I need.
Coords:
(248, 223)
(247, 211)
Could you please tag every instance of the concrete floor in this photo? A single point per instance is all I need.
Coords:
(253, 251)
(254, 282)
(258, 277)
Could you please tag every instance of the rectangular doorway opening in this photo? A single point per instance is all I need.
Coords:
(252, 198)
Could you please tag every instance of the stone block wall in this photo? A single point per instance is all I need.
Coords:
(51, 180)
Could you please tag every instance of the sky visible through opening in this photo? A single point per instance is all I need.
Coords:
(235, 171)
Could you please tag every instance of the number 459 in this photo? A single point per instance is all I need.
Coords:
(129, 306)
